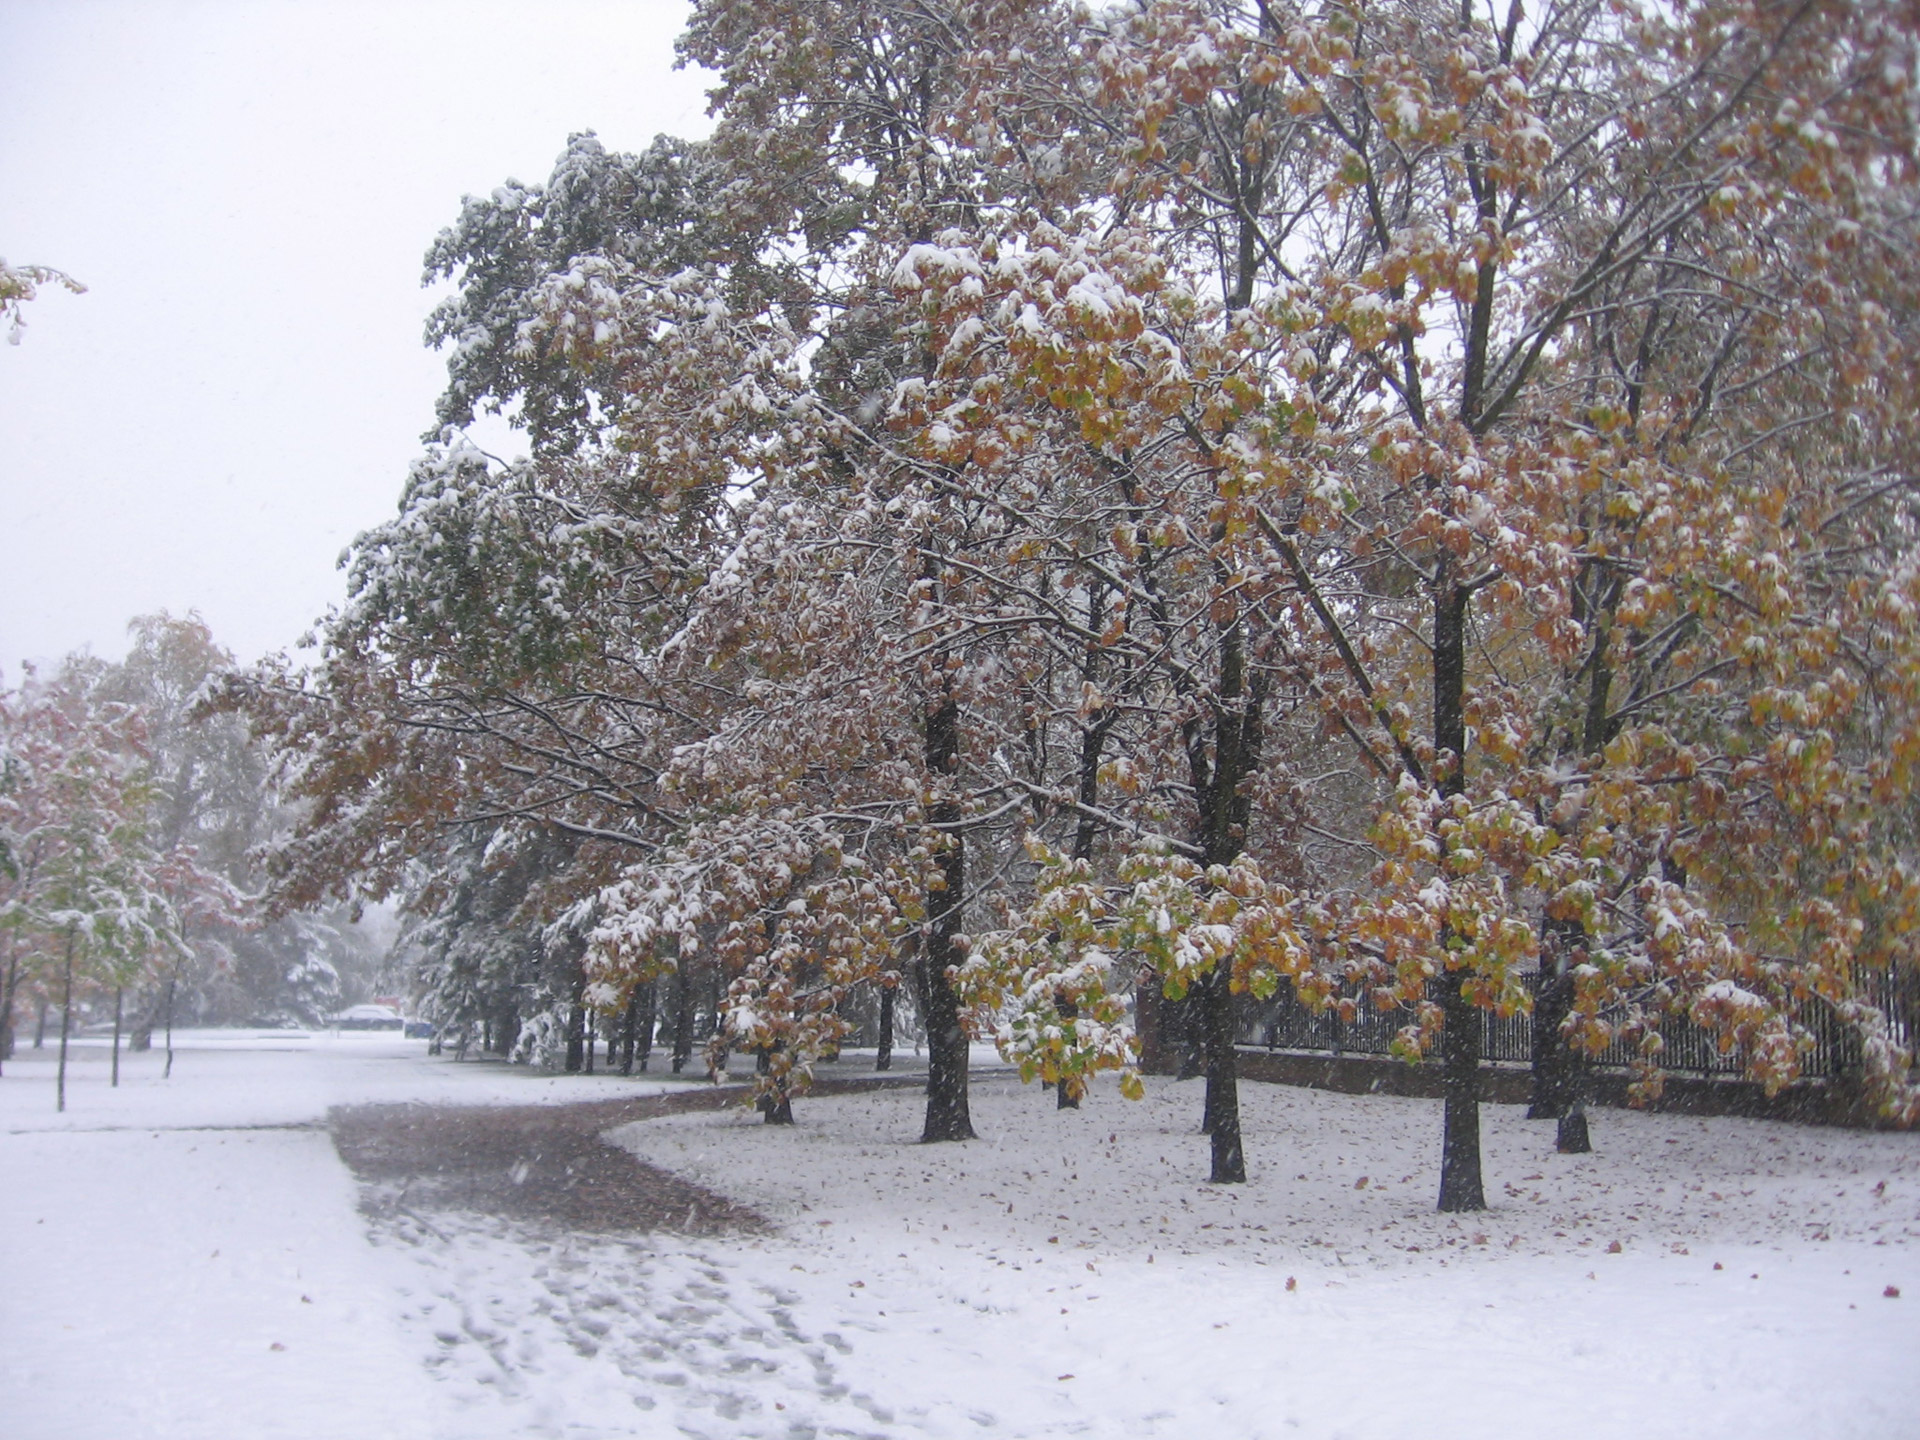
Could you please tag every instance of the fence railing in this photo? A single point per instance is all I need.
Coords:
(1284, 1023)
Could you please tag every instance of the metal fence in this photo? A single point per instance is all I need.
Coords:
(1284, 1023)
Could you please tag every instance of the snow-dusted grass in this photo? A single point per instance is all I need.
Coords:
(1341, 1180)
(1066, 1274)
(1326, 1297)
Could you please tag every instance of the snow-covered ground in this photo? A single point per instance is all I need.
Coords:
(185, 1259)
(1066, 1274)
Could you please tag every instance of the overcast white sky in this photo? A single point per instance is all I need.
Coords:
(247, 189)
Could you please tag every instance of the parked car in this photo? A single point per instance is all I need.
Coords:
(369, 1017)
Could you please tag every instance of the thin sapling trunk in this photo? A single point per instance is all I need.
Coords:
(66, 1024)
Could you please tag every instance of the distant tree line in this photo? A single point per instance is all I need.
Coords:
(129, 884)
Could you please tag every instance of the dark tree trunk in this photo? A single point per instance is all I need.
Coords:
(776, 1106)
(947, 1113)
(630, 1021)
(577, 1024)
(643, 1026)
(1148, 1010)
(1558, 1070)
(883, 1060)
(1571, 1137)
(1223, 1083)
(716, 997)
(1065, 1096)
(7, 989)
(66, 1025)
(715, 1030)
(1219, 787)
(780, 1105)
(1460, 1177)
(1460, 1183)
(167, 1074)
(1556, 1067)
(682, 1017)
(119, 1001)
(1188, 1028)
(1553, 1059)
(40, 1027)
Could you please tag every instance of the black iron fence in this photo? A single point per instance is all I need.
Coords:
(1284, 1023)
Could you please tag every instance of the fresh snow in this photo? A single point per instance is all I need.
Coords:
(1066, 1274)
(158, 1241)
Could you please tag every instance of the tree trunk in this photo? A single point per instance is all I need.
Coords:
(119, 999)
(1223, 1083)
(66, 1025)
(1066, 1095)
(1571, 1137)
(8, 988)
(40, 1027)
(1219, 781)
(167, 1074)
(883, 1059)
(6, 1003)
(947, 1113)
(1460, 1177)
(780, 1105)
(1553, 1058)
(576, 1025)
(682, 1017)
(630, 1021)
(643, 1034)
(776, 1106)
(1186, 1027)
(1460, 1183)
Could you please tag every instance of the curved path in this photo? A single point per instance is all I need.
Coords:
(543, 1162)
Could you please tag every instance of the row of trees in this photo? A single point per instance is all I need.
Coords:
(128, 818)
(1059, 510)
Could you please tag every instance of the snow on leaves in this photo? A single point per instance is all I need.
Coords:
(1277, 495)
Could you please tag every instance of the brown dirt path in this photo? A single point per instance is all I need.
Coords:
(542, 1162)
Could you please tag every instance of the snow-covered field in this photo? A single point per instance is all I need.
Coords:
(185, 1259)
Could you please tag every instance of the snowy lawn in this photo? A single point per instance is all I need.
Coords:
(1069, 1274)
(186, 1259)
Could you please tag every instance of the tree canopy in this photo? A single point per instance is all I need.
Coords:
(1052, 507)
